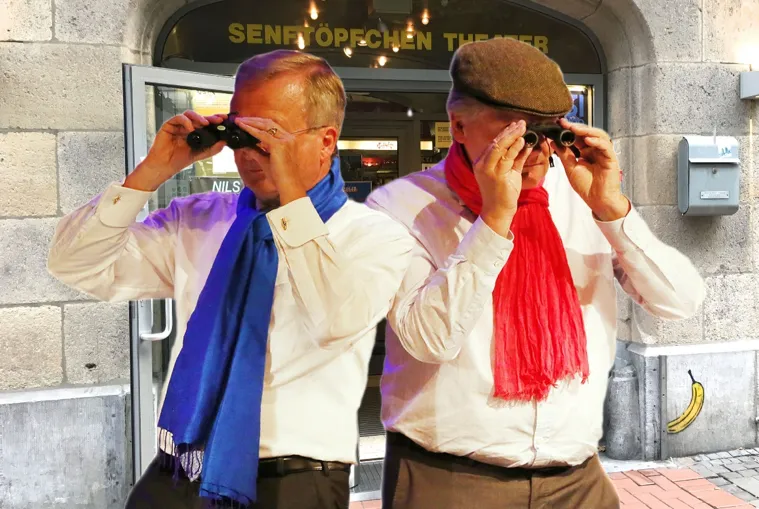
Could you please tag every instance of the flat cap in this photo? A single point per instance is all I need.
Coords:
(507, 73)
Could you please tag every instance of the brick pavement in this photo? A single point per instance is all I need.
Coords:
(672, 488)
(736, 472)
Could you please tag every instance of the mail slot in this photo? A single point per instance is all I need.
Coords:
(708, 176)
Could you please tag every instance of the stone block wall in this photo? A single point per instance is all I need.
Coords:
(674, 71)
(64, 359)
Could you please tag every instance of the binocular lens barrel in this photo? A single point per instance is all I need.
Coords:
(566, 138)
(563, 137)
(531, 138)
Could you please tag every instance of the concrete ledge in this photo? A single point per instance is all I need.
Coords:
(90, 391)
(67, 448)
(701, 348)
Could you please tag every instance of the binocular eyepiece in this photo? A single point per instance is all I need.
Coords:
(229, 132)
(563, 137)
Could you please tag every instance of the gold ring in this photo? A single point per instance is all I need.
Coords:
(272, 131)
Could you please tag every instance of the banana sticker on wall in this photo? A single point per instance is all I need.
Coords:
(694, 408)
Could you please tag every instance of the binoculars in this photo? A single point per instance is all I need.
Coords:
(227, 131)
(563, 137)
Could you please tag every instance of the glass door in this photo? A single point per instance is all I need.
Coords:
(152, 96)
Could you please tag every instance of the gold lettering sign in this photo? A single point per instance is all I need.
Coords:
(325, 36)
(443, 138)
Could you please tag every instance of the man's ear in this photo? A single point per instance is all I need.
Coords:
(457, 129)
(329, 143)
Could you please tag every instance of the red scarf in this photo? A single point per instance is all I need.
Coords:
(539, 330)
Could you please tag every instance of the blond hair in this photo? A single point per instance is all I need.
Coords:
(324, 91)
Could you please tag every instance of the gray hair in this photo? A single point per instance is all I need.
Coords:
(463, 105)
(324, 91)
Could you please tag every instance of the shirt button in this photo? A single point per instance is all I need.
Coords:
(284, 223)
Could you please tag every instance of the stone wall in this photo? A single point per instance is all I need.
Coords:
(674, 70)
(64, 359)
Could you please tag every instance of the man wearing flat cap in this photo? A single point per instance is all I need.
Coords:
(503, 333)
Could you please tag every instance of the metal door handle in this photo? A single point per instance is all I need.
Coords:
(166, 332)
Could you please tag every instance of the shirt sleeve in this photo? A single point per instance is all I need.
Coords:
(436, 309)
(658, 277)
(343, 284)
(101, 250)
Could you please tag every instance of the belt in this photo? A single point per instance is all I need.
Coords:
(269, 467)
(278, 467)
(400, 440)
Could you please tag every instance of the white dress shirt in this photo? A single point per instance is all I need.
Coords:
(437, 384)
(335, 282)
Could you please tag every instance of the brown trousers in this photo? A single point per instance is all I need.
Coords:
(417, 479)
(157, 489)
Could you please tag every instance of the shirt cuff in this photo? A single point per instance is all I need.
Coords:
(297, 222)
(119, 206)
(627, 233)
(484, 248)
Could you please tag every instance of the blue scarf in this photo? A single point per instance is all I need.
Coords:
(213, 401)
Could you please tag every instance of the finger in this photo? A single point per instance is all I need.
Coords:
(506, 163)
(583, 130)
(197, 119)
(567, 158)
(259, 132)
(601, 150)
(217, 119)
(522, 158)
(261, 123)
(266, 140)
(500, 144)
(179, 124)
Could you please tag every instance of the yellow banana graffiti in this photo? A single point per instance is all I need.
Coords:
(694, 408)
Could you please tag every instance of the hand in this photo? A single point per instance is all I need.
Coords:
(277, 155)
(499, 175)
(595, 176)
(170, 152)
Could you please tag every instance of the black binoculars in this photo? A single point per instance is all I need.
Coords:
(227, 131)
(563, 137)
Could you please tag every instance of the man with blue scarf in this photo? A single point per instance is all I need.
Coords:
(278, 290)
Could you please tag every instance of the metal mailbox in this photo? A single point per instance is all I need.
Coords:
(708, 176)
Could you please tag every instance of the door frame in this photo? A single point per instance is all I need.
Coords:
(135, 81)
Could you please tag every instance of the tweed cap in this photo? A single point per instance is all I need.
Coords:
(506, 73)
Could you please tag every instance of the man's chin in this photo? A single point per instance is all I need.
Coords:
(532, 177)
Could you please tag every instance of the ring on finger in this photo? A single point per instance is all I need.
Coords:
(272, 131)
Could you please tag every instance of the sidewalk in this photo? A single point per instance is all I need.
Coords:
(736, 472)
(716, 481)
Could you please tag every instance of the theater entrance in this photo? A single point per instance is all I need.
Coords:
(393, 126)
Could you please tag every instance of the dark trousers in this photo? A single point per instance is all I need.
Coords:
(159, 488)
(414, 478)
